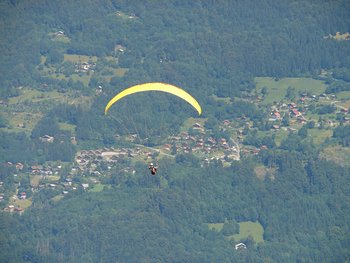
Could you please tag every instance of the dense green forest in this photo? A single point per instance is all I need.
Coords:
(63, 60)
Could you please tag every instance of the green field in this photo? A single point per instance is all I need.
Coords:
(53, 178)
(97, 188)
(79, 58)
(248, 228)
(26, 109)
(277, 89)
(21, 121)
(216, 226)
(35, 180)
(344, 95)
(67, 127)
(83, 77)
(25, 203)
(190, 121)
(319, 136)
(35, 96)
(119, 72)
(57, 198)
(337, 154)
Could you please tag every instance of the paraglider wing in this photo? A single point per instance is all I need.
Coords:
(156, 86)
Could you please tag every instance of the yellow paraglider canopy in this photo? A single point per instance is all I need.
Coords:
(156, 86)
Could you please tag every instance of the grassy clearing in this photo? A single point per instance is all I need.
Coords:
(97, 188)
(216, 98)
(344, 95)
(260, 171)
(190, 121)
(345, 104)
(119, 72)
(26, 94)
(57, 198)
(35, 180)
(337, 154)
(79, 58)
(248, 228)
(216, 226)
(319, 136)
(42, 59)
(53, 178)
(84, 78)
(32, 95)
(280, 136)
(22, 203)
(67, 127)
(277, 89)
(22, 121)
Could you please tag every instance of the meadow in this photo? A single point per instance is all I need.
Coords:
(246, 229)
(277, 89)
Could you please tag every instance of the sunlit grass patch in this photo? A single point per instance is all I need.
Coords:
(337, 154)
(67, 127)
(260, 171)
(249, 228)
(35, 180)
(57, 198)
(319, 136)
(97, 188)
(216, 98)
(79, 58)
(22, 203)
(190, 121)
(216, 226)
(22, 121)
(277, 89)
(345, 103)
(52, 178)
(32, 95)
(343, 95)
(119, 72)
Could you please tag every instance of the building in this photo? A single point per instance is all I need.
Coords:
(240, 246)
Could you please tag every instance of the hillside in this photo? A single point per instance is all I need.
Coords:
(261, 176)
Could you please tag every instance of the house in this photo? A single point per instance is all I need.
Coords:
(277, 115)
(119, 48)
(23, 195)
(292, 105)
(19, 166)
(295, 112)
(47, 138)
(240, 246)
(59, 33)
(11, 208)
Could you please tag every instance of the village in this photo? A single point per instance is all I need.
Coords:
(93, 166)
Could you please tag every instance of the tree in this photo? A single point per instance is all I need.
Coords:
(303, 132)
(285, 120)
(291, 93)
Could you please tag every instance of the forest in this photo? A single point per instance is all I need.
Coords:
(62, 61)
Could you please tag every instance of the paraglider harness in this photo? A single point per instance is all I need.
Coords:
(152, 168)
